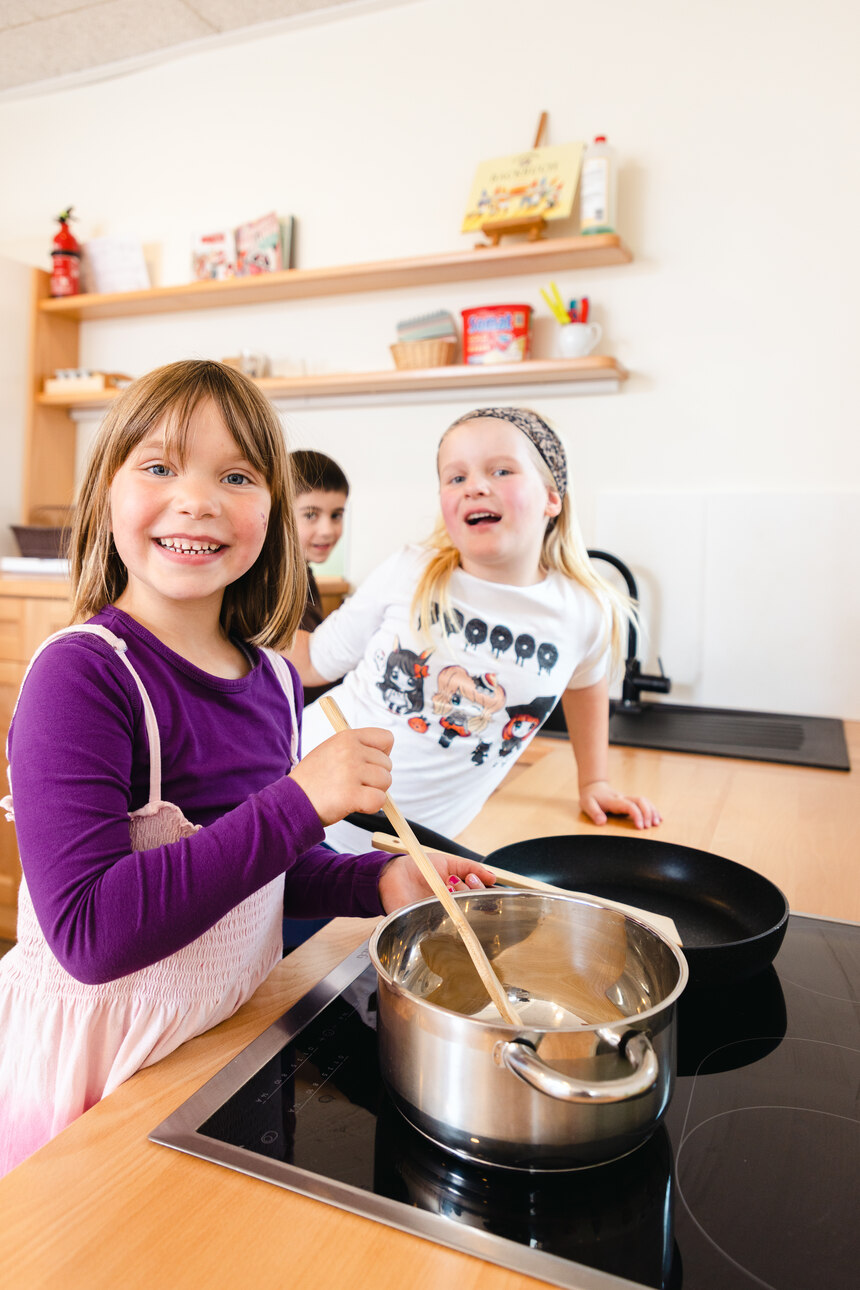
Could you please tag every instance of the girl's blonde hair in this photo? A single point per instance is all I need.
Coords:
(265, 605)
(563, 551)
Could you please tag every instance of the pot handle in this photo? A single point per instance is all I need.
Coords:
(522, 1060)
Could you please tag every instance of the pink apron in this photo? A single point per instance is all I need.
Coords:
(65, 1045)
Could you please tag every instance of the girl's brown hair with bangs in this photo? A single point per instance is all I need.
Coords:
(265, 605)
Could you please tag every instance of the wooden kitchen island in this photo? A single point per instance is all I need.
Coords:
(101, 1208)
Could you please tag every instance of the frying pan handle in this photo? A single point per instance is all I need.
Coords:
(521, 1059)
(427, 837)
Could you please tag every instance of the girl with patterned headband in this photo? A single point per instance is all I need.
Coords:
(504, 594)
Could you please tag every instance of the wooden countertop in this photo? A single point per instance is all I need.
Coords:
(101, 1207)
(39, 586)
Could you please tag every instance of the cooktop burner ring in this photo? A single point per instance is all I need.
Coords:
(794, 1264)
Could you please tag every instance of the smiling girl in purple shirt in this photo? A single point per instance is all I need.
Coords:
(160, 804)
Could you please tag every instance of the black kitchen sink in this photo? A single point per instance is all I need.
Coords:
(725, 732)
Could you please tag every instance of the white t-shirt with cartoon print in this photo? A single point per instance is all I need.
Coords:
(462, 710)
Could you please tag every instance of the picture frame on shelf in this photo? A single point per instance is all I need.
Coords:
(524, 188)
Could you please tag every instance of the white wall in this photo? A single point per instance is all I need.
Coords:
(15, 303)
(737, 318)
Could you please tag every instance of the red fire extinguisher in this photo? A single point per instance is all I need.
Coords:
(65, 259)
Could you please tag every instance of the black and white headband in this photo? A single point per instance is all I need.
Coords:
(534, 428)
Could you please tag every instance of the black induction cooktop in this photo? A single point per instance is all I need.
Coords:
(751, 1180)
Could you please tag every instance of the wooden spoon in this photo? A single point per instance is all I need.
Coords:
(413, 847)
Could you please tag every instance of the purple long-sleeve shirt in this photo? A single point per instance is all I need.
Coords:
(80, 763)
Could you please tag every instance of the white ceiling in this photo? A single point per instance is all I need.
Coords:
(49, 44)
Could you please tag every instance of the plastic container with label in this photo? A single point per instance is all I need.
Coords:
(497, 334)
(598, 188)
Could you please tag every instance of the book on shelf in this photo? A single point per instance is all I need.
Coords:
(262, 245)
(435, 326)
(258, 246)
(265, 245)
(34, 566)
(288, 241)
(213, 255)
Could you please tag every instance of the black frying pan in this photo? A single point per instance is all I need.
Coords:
(731, 920)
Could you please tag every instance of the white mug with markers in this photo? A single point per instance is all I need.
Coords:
(576, 336)
(576, 339)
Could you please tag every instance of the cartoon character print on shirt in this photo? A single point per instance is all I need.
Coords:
(525, 718)
(465, 703)
(402, 684)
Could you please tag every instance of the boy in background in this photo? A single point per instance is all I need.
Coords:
(322, 490)
(321, 494)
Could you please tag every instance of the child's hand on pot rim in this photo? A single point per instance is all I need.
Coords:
(402, 883)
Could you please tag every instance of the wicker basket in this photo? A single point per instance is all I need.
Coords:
(50, 539)
(424, 353)
(41, 541)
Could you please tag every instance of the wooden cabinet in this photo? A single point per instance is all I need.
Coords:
(50, 448)
(30, 610)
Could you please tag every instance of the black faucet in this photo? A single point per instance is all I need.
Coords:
(635, 680)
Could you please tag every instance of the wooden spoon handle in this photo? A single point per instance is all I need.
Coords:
(414, 849)
(661, 923)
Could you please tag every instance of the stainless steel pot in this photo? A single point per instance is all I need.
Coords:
(588, 1076)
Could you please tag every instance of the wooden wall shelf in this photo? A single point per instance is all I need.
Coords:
(596, 367)
(551, 254)
(49, 468)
